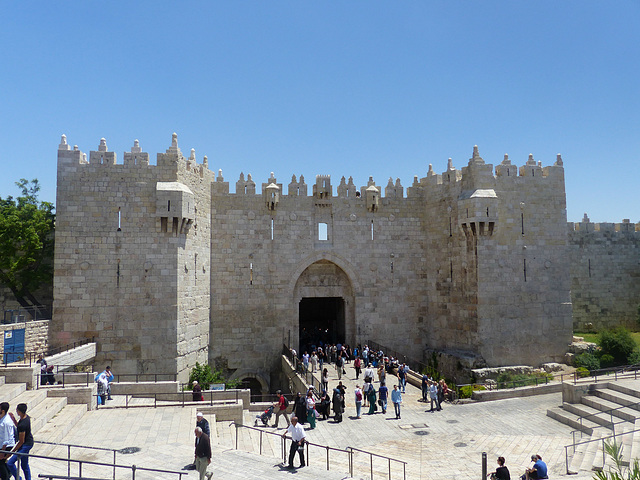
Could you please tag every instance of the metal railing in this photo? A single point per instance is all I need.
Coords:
(90, 377)
(69, 346)
(602, 439)
(169, 399)
(27, 314)
(70, 445)
(402, 358)
(308, 377)
(326, 451)
(635, 406)
(81, 463)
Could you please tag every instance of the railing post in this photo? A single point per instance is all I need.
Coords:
(371, 465)
(566, 456)
(350, 461)
(114, 465)
(328, 458)
(236, 425)
(484, 465)
(260, 442)
(389, 468)
(133, 472)
(79, 468)
(68, 460)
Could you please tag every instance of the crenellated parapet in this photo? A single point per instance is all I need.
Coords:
(586, 226)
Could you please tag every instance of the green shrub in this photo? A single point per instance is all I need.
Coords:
(582, 372)
(618, 343)
(634, 358)
(589, 361)
(467, 390)
(205, 376)
(607, 360)
(507, 379)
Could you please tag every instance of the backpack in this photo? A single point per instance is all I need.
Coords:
(359, 396)
(286, 402)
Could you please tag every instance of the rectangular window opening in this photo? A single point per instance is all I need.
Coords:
(163, 224)
(323, 231)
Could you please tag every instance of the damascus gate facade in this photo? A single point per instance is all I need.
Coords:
(166, 267)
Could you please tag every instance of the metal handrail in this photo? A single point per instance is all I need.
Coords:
(348, 450)
(602, 439)
(33, 355)
(432, 372)
(309, 378)
(70, 445)
(173, 403)
(610, 412)
(133, 468)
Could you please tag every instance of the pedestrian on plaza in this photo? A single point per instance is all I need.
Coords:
(357, 364)
(305, 361)
(382, 374)
(300, 408)
(396, 399)
(314, 361)
(7, 438)
(321, 359)
(338, 404)
(25, 442)
(325, 379)
(196, 394)
(202, 453)
(365, 393)
(425, 387)
(402, 376)
(311, 410)
(298, 438)
(339, 366)
(358, 397)
(325, 405)
(383, 394)
(433, 395)
(440, 393)
(280, 408)
(371, 397)
(203, 423)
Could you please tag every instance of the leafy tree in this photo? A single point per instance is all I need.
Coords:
(205, 376)
(26, 243)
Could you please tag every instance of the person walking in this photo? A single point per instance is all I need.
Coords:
(24, 445)
(371, 396)
(357, 364)
(325, 379)
(203, 423)
(396, 399)
(298, 437)
(311, 410)
(203, 452)
(7, 438)
(281, 408)
(433, 394)
(383, 394)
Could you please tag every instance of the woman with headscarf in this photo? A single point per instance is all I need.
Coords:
(371, 396)
(300, 407)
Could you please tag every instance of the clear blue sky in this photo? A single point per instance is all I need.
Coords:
(342, 88)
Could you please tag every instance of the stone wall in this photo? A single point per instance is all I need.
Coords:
(36, 335)
(605, 274)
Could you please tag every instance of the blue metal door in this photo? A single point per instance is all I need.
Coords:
(14, 345)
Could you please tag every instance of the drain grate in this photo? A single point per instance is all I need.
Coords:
(129, 450)
(421, 432)
(452, 421)
(459, 444)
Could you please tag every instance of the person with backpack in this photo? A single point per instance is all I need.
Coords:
(358, 395)
(281, 408)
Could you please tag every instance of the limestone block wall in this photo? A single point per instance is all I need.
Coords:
(605, 274)
(117, 262)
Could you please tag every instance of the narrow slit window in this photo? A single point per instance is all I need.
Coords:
(522, 222)
(524, 268)
(323, 232)
(272, 229)
(119, 219)
(371, 229)
(168, 205)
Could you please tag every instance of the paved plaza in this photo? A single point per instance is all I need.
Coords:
(439, 445)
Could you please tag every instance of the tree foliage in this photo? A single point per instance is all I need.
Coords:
(617, 343)
(26, 243)
(617, 471)
(205, 376)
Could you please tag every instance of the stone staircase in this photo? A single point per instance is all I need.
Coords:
(609, 411)
(51, 417)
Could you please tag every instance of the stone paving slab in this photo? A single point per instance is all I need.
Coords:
(439, 445)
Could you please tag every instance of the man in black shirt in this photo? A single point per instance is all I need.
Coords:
(25, 442)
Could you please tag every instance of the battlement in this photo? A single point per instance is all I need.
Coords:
(586, 226)
(135, 158)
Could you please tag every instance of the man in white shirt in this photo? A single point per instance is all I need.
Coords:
(298, 437)
(7, 437)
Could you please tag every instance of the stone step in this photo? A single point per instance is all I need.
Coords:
(577, 455)
(621, 398)
(585, 412)
(623, 413)
(625, 389)
(572, 420)
(634, 451)
(591, 451)
(9, 391)
(31, 397)
(58, 427)
(45, 411)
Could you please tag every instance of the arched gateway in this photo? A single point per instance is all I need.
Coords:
(324, 301)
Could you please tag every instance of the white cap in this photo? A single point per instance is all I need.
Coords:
(199, 414)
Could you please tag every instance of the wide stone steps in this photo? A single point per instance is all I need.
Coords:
(58, 427)
(571, 419)
(621, 398)
(9, 391)
(586, 412)
(615, 409)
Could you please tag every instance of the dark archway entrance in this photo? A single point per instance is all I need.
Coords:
(255, 387)
(322, 320)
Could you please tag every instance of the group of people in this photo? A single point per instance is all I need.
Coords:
(434, 391)
(104, 380)
(202, 455)
(15, 437)
(46, 372)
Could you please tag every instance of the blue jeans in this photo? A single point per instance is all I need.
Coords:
(24, 461)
